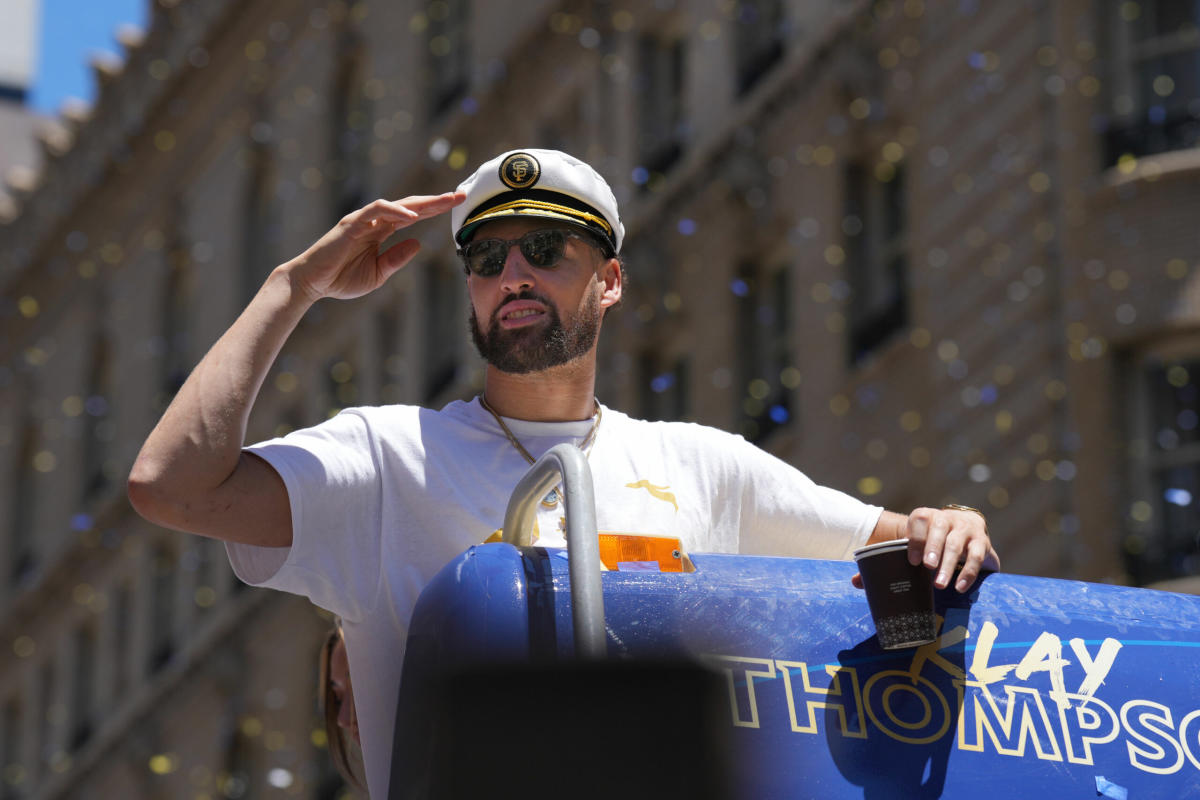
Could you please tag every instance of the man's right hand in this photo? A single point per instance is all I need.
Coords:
(346, 262)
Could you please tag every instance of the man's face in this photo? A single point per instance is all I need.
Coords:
(529, 319)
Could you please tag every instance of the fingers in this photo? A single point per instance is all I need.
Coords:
(856, 579)
(977, 552)
(381, 217)
(431, 205)
(927, 531)
(954, 541)
(397, 256)
(941, 539)
(916, 529)
(992, 560)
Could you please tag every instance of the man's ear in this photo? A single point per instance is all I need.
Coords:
(610, 273)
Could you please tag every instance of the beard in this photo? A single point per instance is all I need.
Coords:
(538, 347)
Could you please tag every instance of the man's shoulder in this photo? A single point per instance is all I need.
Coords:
(398, 419)
(377, 417)
(678, 431)
(454, 410)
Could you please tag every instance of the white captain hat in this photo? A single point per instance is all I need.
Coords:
(538, 183)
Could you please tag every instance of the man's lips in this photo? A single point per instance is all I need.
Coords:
(520, 313)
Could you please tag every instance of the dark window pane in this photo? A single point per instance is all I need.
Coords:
(764, 352)
(876, 261)
(760, 40)
(1175, 403)
(1168, 544)
(448, 47)
(1175, 552)
(660, 86)
(1154, 76)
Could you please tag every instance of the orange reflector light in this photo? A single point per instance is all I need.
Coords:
(650, 553)
(627, 548)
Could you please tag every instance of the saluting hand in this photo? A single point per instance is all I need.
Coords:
(346, 263)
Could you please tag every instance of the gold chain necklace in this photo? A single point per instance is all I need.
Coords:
(552, 497)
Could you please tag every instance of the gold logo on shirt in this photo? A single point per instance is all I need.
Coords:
(657, 492)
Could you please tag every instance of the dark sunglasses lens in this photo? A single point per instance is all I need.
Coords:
(486, 258)
(543, 248)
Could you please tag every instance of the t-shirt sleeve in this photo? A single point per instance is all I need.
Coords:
(333, 480)
(785, 513)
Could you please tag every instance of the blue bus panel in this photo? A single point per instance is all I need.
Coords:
(1036, 687)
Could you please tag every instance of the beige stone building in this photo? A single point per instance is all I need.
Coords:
(928, 251)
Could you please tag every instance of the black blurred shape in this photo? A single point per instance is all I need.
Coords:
(625, 730)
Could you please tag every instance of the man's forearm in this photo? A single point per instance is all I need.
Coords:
(196, 446)
(890, 526)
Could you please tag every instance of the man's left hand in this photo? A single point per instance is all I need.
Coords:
(941, 539)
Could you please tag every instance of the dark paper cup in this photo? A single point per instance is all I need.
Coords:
(899, 594)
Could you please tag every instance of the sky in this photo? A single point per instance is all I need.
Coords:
(69, 33)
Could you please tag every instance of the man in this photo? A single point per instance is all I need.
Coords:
(361, 511)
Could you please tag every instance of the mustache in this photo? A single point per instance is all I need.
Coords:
(523, 295)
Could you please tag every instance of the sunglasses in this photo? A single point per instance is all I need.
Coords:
(542, 249)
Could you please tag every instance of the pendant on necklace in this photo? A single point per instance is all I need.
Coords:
(551, 498)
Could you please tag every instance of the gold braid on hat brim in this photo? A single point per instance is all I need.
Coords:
(538, 205)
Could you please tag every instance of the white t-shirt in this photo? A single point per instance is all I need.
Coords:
(383, 497)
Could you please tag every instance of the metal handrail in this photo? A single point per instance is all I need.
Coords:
(567, 462)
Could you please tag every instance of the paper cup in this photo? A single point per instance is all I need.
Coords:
(899, 594)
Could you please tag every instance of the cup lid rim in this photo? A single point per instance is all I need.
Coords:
(879, 547)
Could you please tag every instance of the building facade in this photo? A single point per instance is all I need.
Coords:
(928, 251)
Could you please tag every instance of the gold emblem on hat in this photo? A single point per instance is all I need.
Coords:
(520, 171)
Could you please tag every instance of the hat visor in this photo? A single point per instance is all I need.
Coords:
(537, 210)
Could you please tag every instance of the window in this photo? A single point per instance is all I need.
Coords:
(21, 553)
(1154, 80)
(82, 694)
(876, 257)
(49, 751)
(449, 52)
(660, 88)
(566, 129)
(176, 319)
(766, 374)
(351, 120)
(663, 391)
(98, 427)
(391, 350)
(122, 625)
(12, 768)
(443, 323)
(341, 383)
(759, 40)
(235, 780)
(200, 559)
(261, 221)
(162, 612)
(1164, 514)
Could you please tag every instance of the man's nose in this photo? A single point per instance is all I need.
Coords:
(517, 274)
